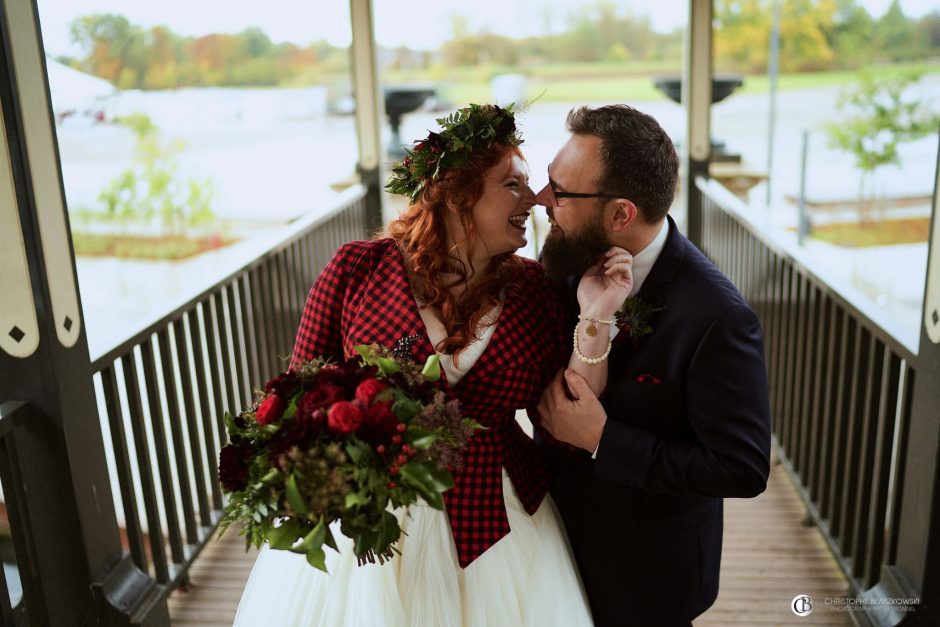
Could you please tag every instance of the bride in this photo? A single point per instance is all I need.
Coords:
(447, 273)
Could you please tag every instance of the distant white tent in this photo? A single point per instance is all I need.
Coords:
(74, 92)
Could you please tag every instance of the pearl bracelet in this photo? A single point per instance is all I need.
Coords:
(591, 329)
(589, 360)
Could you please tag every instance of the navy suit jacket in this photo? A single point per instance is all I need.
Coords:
(688, 424)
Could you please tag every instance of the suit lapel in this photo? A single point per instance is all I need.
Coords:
(664, 270)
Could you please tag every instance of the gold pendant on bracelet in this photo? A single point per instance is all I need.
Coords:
(591, 330)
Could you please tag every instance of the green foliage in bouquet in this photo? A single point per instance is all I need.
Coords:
(341, 442)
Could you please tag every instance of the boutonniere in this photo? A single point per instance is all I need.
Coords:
(633, 318)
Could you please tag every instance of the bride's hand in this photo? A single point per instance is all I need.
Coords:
(605, 285)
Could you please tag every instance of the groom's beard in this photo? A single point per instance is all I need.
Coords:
(564, 255)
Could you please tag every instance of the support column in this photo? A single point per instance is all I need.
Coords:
(696, 99)
(370, 108)
(917, 570)
(78, 573)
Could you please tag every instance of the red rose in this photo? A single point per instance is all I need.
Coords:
(368, 390)
(233, 469)
(379, 423)
(320, 397)
(270, 409)
(344, 418)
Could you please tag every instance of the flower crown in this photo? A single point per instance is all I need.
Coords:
(462, 133)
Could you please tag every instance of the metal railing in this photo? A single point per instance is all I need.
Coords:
(841, 381)
(165, 389)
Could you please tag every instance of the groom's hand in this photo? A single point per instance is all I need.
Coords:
(579, 420)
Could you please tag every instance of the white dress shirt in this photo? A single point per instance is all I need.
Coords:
(643, 262)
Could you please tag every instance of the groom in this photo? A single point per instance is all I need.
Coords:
(684, 419)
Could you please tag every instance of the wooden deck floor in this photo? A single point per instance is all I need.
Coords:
(769, 557)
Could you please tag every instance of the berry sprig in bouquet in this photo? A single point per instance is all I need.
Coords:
(341, 442)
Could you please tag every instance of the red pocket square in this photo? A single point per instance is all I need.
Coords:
(648, 378)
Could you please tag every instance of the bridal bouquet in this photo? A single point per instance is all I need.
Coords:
(340, 442)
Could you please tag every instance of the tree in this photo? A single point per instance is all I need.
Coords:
(130, 57)
(875, 118)
(928, 34)
(803, 42)
(895, 33)
(165, 57)
(255, 43)
(742, 37)
(115, 49)
(852, 34)
(472, 50)
(742, 34)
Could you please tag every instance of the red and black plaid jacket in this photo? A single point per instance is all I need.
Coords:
(363, 297)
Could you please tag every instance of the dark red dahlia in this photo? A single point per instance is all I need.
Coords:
(320, 397)
(233, 467)
(331, 374)
(379, 424)
(304, 427)
(283, 385)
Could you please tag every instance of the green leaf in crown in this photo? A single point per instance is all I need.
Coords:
(462, 133)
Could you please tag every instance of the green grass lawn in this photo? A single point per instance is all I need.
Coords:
(629, 82)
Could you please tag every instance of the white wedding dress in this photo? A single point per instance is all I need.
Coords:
(526, 578)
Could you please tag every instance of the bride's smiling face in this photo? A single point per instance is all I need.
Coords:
(500, 215)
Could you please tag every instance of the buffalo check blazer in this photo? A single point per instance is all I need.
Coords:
(363, 296)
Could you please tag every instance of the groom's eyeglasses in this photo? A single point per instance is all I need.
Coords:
(557, 195)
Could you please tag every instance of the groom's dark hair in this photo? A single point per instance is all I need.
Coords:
(640, 161)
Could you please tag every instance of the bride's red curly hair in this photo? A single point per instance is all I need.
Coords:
(429, 251)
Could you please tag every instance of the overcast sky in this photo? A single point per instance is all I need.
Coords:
(416, 23)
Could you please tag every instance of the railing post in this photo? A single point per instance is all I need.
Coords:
(81, 576)
(918, 553)
(369, 109)
(697, 98)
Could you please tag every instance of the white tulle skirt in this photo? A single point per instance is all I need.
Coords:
(527, 578)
